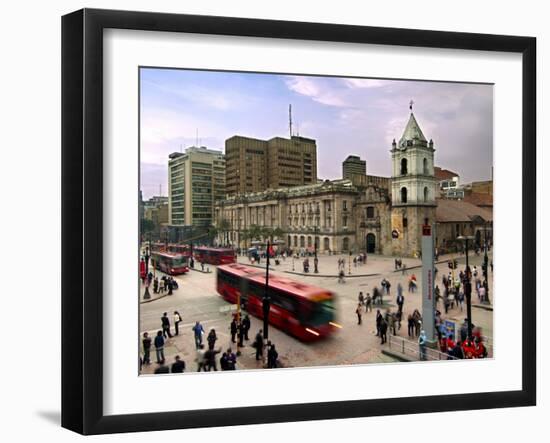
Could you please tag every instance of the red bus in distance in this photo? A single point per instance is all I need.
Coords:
(304, 311)
(170, 263)
(214, 256)
(179, 249)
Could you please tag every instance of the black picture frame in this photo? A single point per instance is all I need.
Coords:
(82, 218)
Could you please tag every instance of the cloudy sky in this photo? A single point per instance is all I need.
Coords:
(345, 116)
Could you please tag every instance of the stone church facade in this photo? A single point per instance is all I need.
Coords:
(346, 215)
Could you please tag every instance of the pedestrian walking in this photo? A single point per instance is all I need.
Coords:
(146, 342)
(233, 329)
(178, 367)
(272, 356)
(410, 325)
(211, 339)
(400, 300)
(368, 303)
(210, 359)
(198, 331)
(231, 360)
(361, 298)
(177, 321)
(159, 347)
(359, 312)
(246, 326)
(156, 285)
(259, 345)
(379, 319)
(199, 358)
(383, 331)
(165, 325)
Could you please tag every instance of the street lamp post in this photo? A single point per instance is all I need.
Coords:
(467, 285)
(486, 267)
(315, 260)
(266, 302)
(147, 256)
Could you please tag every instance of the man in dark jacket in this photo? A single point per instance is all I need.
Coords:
(378, 322)
(259, 345)
(178, 366)
(159, 347)
(272, 356)
(233, 328)
(246, 326)
(400, 300)
(210, 359)
(146, 349)
(165, 325)
(383, 331)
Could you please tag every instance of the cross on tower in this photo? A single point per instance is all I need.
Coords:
(411, 103)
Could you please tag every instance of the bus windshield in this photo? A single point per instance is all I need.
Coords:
(320, 313)
(179, 261)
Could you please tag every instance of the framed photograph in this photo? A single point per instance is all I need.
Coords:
(269, 221)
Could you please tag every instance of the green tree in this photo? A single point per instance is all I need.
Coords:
(146, 226)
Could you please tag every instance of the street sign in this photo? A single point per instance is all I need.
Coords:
(428, 301)
(395, 233)
(450, 328)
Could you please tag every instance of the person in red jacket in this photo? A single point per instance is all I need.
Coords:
(479, 349)
(468, 348)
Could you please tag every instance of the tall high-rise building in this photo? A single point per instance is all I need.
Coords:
(254, 165)
(355, 169)
(196, 180)
(353, 165)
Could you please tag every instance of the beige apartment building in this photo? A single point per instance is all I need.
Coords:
(196, 179)
(254, 165)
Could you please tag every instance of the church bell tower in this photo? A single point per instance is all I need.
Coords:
(413, 188)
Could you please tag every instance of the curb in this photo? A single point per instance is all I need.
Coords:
(396, 355)
(202, 272)
(486, 307)
(152, 299)
(312, 274)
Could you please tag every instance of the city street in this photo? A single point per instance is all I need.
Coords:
(197, 300)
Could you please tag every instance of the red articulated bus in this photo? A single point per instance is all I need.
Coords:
(170, 263)
(304, 311)
(179, 249)
(214, 256)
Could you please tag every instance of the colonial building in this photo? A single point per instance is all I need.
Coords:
(382, 215)
(322, 213)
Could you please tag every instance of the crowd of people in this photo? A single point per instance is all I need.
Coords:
(463, 347)
(206, 357)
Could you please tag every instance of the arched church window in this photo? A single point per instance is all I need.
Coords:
(425, 193)
(425, 163)
(403, 195)
(404, 170)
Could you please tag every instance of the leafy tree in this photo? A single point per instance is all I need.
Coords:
(146, 226)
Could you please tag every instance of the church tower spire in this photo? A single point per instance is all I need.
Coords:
(413, 185)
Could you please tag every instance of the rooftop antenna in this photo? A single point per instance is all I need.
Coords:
(290, 120)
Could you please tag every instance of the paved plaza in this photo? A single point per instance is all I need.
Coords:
(197, 300)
